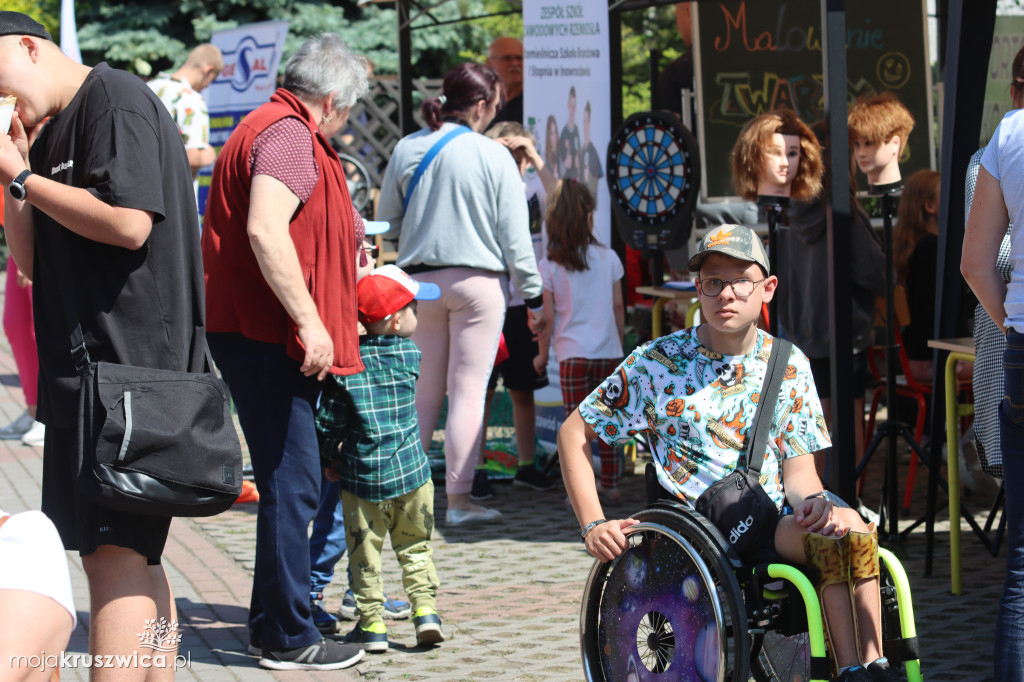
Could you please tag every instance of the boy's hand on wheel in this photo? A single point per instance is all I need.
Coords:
(607, 541)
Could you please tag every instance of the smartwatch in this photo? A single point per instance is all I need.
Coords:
(17, 186)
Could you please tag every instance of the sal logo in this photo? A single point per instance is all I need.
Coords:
(248, 62)
(160, 635)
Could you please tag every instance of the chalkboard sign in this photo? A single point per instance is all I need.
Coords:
(753, 56)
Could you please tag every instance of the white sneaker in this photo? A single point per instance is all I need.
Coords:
(36, 435)
(17, 428)
(465, 517)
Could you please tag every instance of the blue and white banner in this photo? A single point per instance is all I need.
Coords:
(252, 55)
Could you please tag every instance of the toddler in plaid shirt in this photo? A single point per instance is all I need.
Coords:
(369, 440)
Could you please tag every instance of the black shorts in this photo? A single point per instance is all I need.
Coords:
(83, 525)
(821, 369)
(517, 371)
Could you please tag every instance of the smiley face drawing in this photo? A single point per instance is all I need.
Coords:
(893, 70)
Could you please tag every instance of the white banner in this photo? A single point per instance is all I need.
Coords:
(252, 55)
(69, 31)
(567, 107)
(567, 95)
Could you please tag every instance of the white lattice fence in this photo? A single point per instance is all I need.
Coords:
(374, 126)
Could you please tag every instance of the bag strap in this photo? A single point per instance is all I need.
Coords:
(425, 161)
(765, 410)
(79, 353)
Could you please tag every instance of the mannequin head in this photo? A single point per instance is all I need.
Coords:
(879, 127)
(776, 154)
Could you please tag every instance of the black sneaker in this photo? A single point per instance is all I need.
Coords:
(530, 476)
(326, 654)
(881, 671)
(482, 488)
(857, 673)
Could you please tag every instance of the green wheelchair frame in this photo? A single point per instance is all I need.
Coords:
(680, 605)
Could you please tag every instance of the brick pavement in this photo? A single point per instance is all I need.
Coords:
(510, 593)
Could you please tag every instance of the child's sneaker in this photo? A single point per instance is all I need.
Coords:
(482, 488)
(530, 476)
(428, 627)
(881, 671)
(325, 622)
(394, 609)
(373, 639)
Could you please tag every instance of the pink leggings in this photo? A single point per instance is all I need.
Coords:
(20, 328)
(458, 336)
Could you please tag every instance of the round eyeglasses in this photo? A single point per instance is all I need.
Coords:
(742, 287)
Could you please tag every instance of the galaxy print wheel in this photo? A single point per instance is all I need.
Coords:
(665, 608)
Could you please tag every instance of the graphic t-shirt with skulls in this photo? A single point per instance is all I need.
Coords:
(697, 408)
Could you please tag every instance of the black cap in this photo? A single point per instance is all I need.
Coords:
(16, 23)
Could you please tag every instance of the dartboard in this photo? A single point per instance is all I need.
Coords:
(653, 177)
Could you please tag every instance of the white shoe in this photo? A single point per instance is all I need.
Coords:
(17, 428)
(465, 517)
(36, 435)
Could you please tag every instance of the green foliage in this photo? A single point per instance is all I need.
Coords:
(645, 30)
(145, 37)
(46, 12)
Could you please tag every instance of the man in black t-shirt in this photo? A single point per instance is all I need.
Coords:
(105, 224)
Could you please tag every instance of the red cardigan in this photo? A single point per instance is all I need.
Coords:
(238, 299)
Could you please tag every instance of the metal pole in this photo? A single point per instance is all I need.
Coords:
(837, 181)
(968, 44)
(405, 117)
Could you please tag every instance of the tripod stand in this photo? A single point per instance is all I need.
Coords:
(773, 206)
(891, 429)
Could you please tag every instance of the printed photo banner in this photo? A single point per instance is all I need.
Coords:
(567, 95)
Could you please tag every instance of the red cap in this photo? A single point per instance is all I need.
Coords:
(387, 290)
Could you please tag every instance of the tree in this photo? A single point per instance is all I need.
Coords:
(46, 12)
(643, 31)
(145, 37)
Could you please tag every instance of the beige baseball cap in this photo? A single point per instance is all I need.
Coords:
(737, 241)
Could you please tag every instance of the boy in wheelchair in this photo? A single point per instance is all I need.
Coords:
(693, 395)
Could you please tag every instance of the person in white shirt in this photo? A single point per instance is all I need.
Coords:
(181, 93)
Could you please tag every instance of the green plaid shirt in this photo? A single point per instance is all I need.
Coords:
(367, 425)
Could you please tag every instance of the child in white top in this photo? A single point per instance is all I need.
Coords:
(583, 306)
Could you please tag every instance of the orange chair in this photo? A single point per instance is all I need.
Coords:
(906, 386)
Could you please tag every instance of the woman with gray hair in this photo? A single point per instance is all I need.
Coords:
(279, 254)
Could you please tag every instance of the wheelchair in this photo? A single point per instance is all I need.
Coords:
(678, 604)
